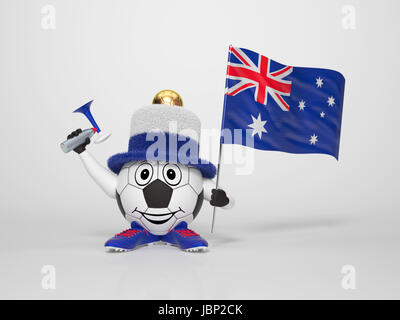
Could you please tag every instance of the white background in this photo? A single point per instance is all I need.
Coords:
(298, 218)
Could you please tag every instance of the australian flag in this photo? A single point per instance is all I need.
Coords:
(289, 109)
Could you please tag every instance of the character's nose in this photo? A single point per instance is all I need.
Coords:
(157, 194)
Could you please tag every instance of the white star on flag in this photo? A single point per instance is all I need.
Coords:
(313, 139)
(322, 114)
(258, 126)
(331, 101)
(319, 82)
(302, 105)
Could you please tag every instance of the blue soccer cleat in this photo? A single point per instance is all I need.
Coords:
(185, 239)
(132, 238)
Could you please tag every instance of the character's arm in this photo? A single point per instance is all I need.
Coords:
(105, 179)
(217, 197)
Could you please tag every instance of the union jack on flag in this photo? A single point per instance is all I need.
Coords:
(286, 108)
(259, 75)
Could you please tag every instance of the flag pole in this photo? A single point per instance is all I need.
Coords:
(220, 141)
(216, 184)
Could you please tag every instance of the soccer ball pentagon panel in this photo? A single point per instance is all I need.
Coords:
(159, 195)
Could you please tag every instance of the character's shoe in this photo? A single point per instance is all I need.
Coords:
(185, 239)
(131, 239)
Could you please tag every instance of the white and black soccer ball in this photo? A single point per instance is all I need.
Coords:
(159, 195)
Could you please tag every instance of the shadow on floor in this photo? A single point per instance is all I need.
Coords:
(297, 224)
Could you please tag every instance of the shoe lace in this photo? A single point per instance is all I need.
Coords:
(130, 232)
(187, 233)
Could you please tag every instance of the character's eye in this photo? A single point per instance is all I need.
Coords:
(143, 174)
(172, 174)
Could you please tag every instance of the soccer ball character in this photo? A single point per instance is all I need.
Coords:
(161, 182)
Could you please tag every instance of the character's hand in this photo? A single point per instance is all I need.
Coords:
(81, 147)
(219, 198)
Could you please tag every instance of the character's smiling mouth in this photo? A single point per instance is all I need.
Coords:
(158, 218)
